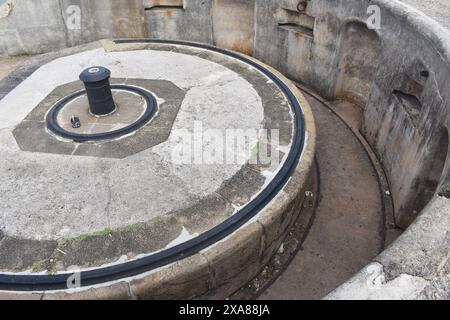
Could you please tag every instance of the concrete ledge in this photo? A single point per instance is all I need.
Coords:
(416, 266)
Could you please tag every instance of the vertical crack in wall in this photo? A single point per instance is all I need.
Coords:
(64, 22)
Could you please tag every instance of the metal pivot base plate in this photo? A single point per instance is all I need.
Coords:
(132, 268)
(56, 128)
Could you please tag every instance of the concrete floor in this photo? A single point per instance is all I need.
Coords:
(348, 230)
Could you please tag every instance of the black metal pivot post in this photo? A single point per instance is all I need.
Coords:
(98, 89)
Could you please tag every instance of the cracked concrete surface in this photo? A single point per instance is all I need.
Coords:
(76, 185)
(6, 7)
(436, 9)
(371, 284)
(347, 230)
(416, 266)
(8, 64)
(93, 210)
(393, 268)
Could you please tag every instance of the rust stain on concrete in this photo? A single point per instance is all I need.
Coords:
(168, 12)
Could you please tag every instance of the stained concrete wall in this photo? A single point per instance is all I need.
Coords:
(237, 33)
(403, 70)
(191, 21)
(396, 73)
(360, 50)
(37, 26)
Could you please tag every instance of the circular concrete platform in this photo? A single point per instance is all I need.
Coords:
(71, 118)
(204, 192)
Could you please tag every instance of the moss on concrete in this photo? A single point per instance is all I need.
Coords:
(84, 236)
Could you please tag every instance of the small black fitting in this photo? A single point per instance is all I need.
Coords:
(76, 123)
(425, 73)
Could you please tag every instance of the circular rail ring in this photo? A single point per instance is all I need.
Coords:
(128, 269)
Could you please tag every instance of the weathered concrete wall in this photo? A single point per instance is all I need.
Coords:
(222, 268)
(285, 38)
(369, 66)
(5, 8)
(397, 73)
(237, 33)
(37, 26)
(415, 267)
(191, 22)
(408, 110)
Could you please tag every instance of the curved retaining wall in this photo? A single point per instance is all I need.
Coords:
(398, 73)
